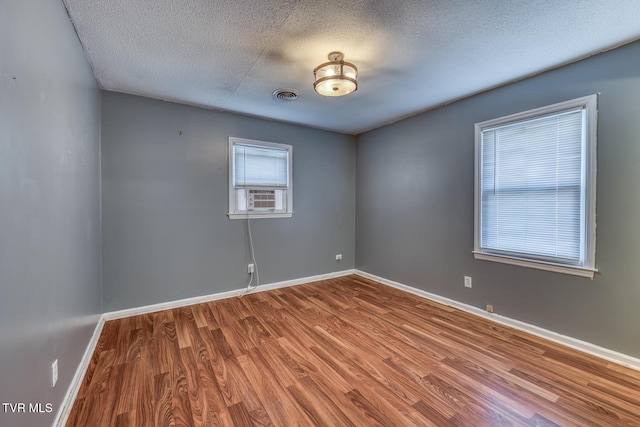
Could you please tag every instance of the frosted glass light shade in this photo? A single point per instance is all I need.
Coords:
(335, 78)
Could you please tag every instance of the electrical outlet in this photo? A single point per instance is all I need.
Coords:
(54, 373)
(339, 257)
(467, 282)
(489, 308)
(251, 268)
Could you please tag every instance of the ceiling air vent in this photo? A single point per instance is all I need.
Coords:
(285, 95)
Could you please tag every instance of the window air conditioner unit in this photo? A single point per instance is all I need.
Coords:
(261, 200)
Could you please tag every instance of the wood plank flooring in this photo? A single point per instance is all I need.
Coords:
(342, 352)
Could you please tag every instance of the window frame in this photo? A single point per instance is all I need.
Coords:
(587, 268)
(233, 213)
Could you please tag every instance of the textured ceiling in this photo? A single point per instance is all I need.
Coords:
(412, 55)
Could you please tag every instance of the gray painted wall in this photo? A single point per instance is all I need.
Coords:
(50, 295)
(166, 235)
(414, 217)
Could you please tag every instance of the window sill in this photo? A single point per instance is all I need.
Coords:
(540, 265)
(256, 215)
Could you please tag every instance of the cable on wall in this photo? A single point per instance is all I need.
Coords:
(253, 260)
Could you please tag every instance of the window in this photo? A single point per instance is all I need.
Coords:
(535, 188)
(259, 179)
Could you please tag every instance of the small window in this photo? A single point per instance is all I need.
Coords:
(535, 188)
(259, 179)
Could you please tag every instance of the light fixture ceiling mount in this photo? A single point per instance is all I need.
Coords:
(336, 77)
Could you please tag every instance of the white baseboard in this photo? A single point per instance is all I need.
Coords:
(221, 295)
(583, 346)
(76, 381)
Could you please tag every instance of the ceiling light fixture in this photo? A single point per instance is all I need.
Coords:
(336, 77)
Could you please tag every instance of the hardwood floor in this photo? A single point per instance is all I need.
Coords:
(342, 352)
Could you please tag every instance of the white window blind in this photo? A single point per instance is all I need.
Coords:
(260, 167)
(531, 187)
(535, 187)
